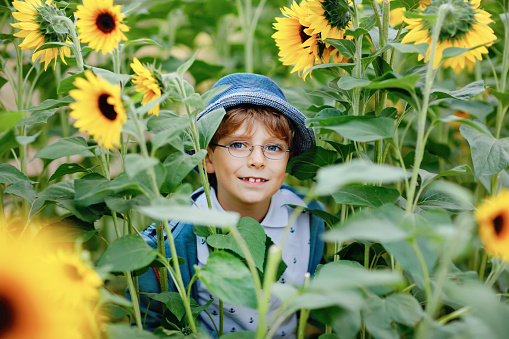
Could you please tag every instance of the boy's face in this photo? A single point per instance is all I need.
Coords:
(235, 192)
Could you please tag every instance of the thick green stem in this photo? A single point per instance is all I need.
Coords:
(421, 123)
(424, 268)
(75, 40)
(304, 313)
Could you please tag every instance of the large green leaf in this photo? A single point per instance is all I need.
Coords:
(208, 124)
(229, 279)
(163, 137)
(358, 128)
(65, 147)
(406, 83)
(378, 225)
(22, 189)
(67, 168)
(164, 210)
(11, 175)
(127, 253)
(332, 178)
(476, 108)
(51, 103)
(67, 84)
(344, 46)
(136, 163)
(7, 141)
(347, 82)
(409, 48)
(363, 195)
(252, 233)
(9, 119)
(179, 165)
(376, 320)
(465, 93)
(306, 165)
(124, 331)
(445, 195)
(172, 300)
(489, 154)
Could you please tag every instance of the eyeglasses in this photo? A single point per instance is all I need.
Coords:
(242, 149)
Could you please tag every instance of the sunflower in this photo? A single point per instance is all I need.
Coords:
(147, 82)
(36, 28)
(27, 309)
(79, 282)
(493, 220)
(466, 26)
(329, 18)
(100, 24)
(295, 40)
(98, 109)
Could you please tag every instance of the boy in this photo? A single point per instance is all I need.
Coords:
(247, 160)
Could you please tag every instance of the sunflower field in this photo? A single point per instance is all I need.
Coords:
(99, 138)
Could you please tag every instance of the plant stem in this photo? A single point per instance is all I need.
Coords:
(75, 40)
(304, 313)
(421, 123)
(424, 268)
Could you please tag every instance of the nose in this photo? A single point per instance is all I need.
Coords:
(257, 158)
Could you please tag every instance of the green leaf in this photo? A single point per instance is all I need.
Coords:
(7, 141)
(331, 178)
(252, 233)
(172, 301)
(368, 23)
(3, 81)
(7, 37)
(208, 124)
(9, 119)
(25, 140)
(179, 165)
(347, 82)
(67, 168)
(51, 103)
(348, 67)
(53, 45)
(344, 46)
(376, 320)
(357, 128)
(148, 106)
(163, 137)
(121, 205)
(127, 253)
(111, 77)
(368, 196)
(164, 210)
(37, 117)
(67, 84)
(185, 66)
(23, 189)
(465, 93)
(489, 155)
(65, 147)
(125, 331)
(11, 175)
(403, 308)
(330, 219)
(357, 33)
(306, 165)
(379, 225)
(229, 279)
(476, 108)
(502, 97)
(240, 335)
(136, 163)
(213, 92)
(407, 83)
(422, 49)
(202, 71)
(447, 196)
(141, 41)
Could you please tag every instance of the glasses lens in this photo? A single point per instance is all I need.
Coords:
(239, 149)
(274, 151)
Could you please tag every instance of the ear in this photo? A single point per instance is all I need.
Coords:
(286, 174)
(208, 162)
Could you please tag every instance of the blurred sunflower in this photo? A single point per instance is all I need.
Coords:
(100, 24)
(78, 281)
(27, 309)
(493, 220)
(34, 18)
(98, 109)
(466, 26)
(329, 18)
(148, 82)
(295, 40)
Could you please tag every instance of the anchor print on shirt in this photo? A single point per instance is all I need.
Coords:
(214, 312)
(283, 280)
(292, 229)
(231, 310)
(294, 260)
(233, 329)
(251, 320)
(283, 333)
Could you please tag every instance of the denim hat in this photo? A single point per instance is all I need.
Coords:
(247, 88)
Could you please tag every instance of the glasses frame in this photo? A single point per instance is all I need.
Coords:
(252, 147)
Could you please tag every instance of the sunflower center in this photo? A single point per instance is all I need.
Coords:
(457, 22)
(303, 35)
(499, 224)
(105, 22)
(73, 272)
(336, 12)
(106, 109)
(6, 315)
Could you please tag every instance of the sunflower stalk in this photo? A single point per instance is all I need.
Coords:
(421, 123)
(75, 41)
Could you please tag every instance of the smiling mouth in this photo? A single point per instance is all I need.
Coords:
(253, 179)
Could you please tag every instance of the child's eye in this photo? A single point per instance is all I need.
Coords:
(274, 148)
(238, 145)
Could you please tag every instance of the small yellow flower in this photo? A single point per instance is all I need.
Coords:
(466, 27)
(493, 220)
(98, 109)
(100, 24)
(36, 30)
(148, 83)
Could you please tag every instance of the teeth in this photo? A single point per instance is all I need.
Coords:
(254, 180)
(258, 180)
(251, 180)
